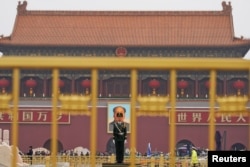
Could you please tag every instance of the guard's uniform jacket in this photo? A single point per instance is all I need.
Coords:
(119, 136)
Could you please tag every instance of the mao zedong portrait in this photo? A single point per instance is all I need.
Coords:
(118, 114)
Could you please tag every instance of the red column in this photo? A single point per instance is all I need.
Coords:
(100, 88)
(139, 86)
(168, 86)
(45, 87)
(225, 86)
(73, 85)
(196, 87)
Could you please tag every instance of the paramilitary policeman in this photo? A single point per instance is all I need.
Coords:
(119, 133)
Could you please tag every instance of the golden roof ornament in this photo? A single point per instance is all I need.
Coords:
(4, 102)
(152, 105)
(74, 104)
(232, 104)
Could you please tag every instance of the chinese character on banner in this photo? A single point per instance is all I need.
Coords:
(241, 118)
(42, 116)
(27, 116)
(181, 117)
(210, 117)
(226, 118)
(196, 117)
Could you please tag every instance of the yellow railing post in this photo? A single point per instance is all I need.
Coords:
(93, 123)
(54, 127)
(172, 117)
(47, 161)
(133, 84)
(248, 131)
(212, 96)
(248, 110)
(184, 163)
(112, 158)
(15, 131)
(152, 162)
(161, 161)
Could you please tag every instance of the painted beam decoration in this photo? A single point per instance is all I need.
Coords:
(35, 116)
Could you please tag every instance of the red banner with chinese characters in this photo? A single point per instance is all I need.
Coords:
(35, 116)
(202, 117)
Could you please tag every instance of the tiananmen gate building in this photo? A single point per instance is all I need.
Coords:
(121, 34)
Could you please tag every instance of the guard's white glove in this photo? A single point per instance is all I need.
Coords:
(125, 141)
(113, 141)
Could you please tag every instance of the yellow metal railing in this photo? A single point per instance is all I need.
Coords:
(75, 161)
(134, 65)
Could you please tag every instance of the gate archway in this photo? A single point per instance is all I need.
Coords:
(47, 145)
(238, 147)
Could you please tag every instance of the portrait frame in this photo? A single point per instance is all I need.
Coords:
(110, 115)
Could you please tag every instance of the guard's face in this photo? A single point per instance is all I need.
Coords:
(119, 115)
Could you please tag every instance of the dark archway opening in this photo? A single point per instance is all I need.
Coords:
(238, 147)
(47, 145)
(183, 148)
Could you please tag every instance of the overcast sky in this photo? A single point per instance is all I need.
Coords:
(241, 9)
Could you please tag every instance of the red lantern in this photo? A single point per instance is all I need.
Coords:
(86, 84)
(207, 84)
(154, 84)
(3, 84)
(238, 85)
(61, 83)
(182, 84)
(31, 84)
